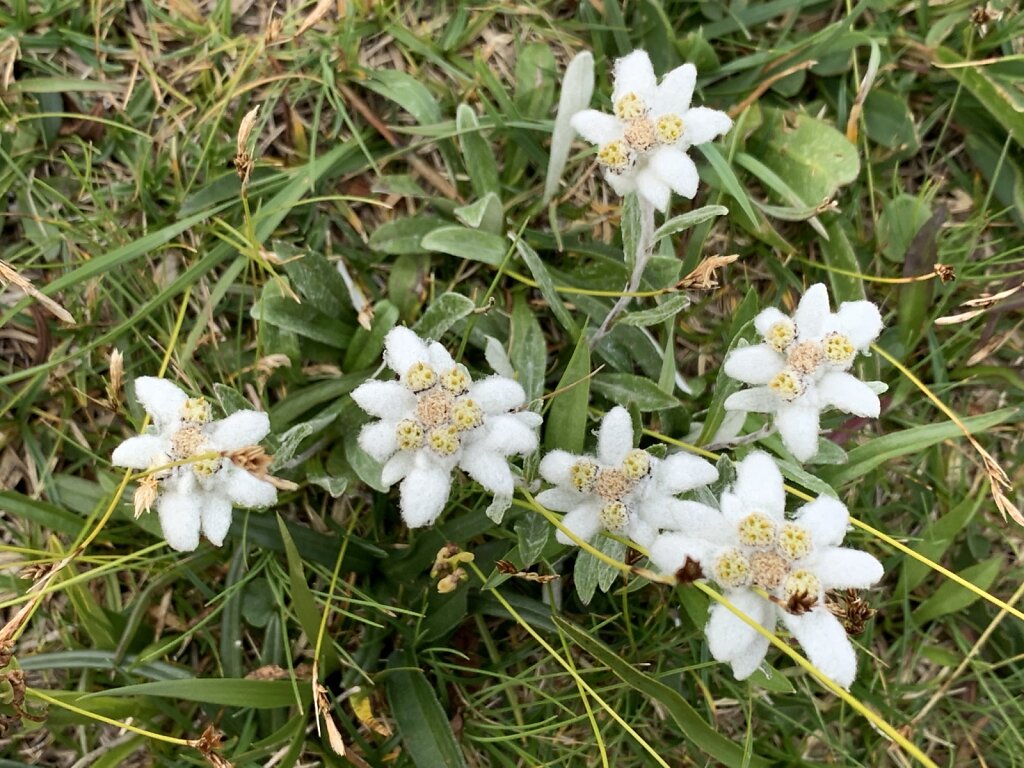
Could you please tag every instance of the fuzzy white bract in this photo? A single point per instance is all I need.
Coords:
(623, 490)
(642, 146)
(197, 494)
(802, 367)
(752, 545)
(436, 418)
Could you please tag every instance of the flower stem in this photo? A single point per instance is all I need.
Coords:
(644, 249)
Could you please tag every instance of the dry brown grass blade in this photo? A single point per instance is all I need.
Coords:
(978, 306)
(9, 275)
(208, 744)
(314, 16)
(702, 277)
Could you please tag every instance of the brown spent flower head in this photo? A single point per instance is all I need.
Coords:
(690, 572)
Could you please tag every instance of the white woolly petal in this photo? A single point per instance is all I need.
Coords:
(842, 568)
(826, 519)
(753, 400)
(622, 183)
(596, 127)
(634, 73)
(615, 436)
(759, 485)
(860, 322)
(180, 519)
(385, 399)
(140, 452)
(490, 470)
(650, 187)
(812, 312)
(508, 435)
(798, 428)
(766, 318)
(244, 489)
(825, 642)
(848, 393)
(530, 418)
(676, 91)
(161, 399)
(583, 521)
(379, 439)
(424, 494)
(701, 125)
(732, 640)
(692, 518)
(676, 169)
(756, 364)
(555, 466)
(559, 499)
(733, 510)
(238, 430)
(440, 358)
(496, 394)
(403, 348)
(642, 532)
(215, 517)
(683, 472)
(397, 467)
(670, 550)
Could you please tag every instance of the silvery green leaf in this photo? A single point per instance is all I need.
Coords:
(486, 214)
(497, 358)
(577, 88)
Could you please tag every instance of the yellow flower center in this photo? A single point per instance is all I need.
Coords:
(612, 484)
(434, 408)
(466, 415)
(196, 410)
(190, 441)
(614, 155)
(756, 530)
(786, 385)
(640, 134)
(794, 541)
(802, 582)
(420, 376)
(732, 569)
(409, 435)
(637, 464)
(444, 441)
(669, 129)
(768, 569)
(781, 335)
(630, 107)
(838, 349)
(456, 380)
(582, 475)
(805, 357)
(614, 516)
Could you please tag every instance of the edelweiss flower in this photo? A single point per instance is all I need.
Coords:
(642, 146)
(436, 418)
(210, 461)
(801, 368)
(751, 547)
(623, 489)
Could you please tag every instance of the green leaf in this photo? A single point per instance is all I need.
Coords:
(627, 389)
(866, 457)
(319, 282)
(466, 243)
(45, 515)
(590, 572)
(406, 91)
(837, 252)
(404, 235)
(690, 724)
(476, 152)
(566, 424)
(658, 314)
(808, 154)
(730, 184)
(533, 532)
(486, 214)
(223, 692)
(288, 443)
(952, 598)
(527, 349)
(422, 724)
(304, 319)
(446, 310)
(724, 386)
(366, 346)
(577, 88)
(889, 122)
(935, 540)
(995, 96)
(901, 219)
(547, 286)
(689, 219)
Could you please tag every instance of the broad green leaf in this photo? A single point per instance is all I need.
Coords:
(466, 243)
(221, 691)
(589, 572)
(364, 350)
(577, 88)
(691, 725)
(689, 219)
(627, 389)
(46, 515)
(566, 424)
(319, 283)
(902, 217)
(406, 91)
(304, 319)
(837, 252)
(952, 598)
(866, 457)
(485, 214)
(422, 725)
(724, 385)
(527, 349)
(476, 152)
(536, 77)
(996, 97)
(889, 122)
(730, 184)
(658, 314)
(533, 532)
(404, 235)
(547, 286)
(446, 310)
(809, 155)
(288, 443)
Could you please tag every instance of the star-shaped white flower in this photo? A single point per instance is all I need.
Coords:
(197, 494)
(623, 490)
(802, 367)
(436, 418)
(642, 146)
(752, 546)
